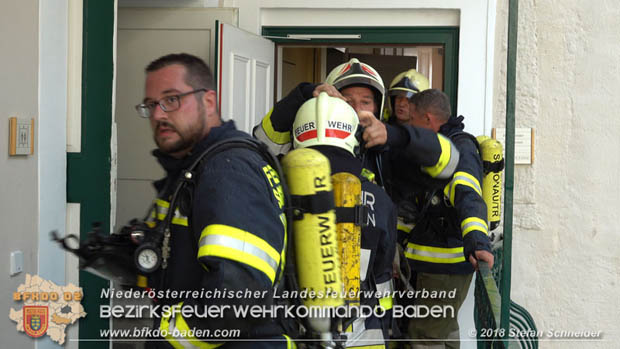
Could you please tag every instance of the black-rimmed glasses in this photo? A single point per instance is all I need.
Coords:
(167, 104)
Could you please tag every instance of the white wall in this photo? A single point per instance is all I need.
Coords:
(52, 131)
(18, 175)
(566, 264)
(476, 19)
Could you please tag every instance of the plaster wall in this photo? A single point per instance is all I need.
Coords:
(566, 266)
(19, 44)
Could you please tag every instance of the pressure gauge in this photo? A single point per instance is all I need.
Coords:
(147, 258)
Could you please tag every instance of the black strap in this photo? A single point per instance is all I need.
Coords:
(493, 166)
(320, 202)
(357, 215)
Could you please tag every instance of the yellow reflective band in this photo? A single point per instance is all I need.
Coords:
(404, 227)
(223, 241)
(368, 174)
(168, 326)
(273, 135)
(283, 254)
(386, 302)
(434, 254)
(162, 212)
(474, 223)
(164, 328)
(385, 288)
(448, 160)
(289, 343)
(142, 281)
(461, 178)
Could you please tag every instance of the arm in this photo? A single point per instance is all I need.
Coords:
(275, 128)
(465, 194)
(433, 151)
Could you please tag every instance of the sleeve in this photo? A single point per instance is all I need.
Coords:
(434, 152)
(275, 128)
(238, 221)
(465, 194)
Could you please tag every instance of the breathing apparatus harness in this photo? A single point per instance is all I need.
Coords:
(142, 249)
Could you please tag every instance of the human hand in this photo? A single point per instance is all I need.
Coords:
(375, 132)
(329, 89)
(481, 255)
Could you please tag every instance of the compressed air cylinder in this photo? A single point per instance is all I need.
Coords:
(492, 157)
(348, 193)
(316, 247)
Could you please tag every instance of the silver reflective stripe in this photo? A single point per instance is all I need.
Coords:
(243, 246)
(361, 337)
(277, 149)
(364, 262)
(468, 180)
(433, 254)
(163, 210)
(452, 163)
(385, 287)
(483, 228)
(180, 339)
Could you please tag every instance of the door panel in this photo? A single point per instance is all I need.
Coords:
(245, 76)
(144, 35)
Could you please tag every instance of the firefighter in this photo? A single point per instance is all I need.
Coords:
(402, 88)
(329, 125)
(449, 220)
(228, 235)
(362, 87)
(355, 82)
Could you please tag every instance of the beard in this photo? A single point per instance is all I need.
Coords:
(188, 137)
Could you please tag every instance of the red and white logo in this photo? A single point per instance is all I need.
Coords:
(35, 320)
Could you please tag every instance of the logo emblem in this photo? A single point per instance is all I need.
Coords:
(35, 320)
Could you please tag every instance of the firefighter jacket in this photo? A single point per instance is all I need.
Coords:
(276, 127)
(378, 246)
(445, 213)
(227, 243)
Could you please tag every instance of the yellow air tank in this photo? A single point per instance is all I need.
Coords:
(307, 174)
(348, 193)
(493, 160)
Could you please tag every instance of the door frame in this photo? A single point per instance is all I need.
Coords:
(88, 172)
(448, 36)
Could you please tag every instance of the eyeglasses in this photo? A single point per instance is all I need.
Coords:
(167, 104)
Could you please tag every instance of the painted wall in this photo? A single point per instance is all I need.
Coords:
(566, 265)
(19, 192)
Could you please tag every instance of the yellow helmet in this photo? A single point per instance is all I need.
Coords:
(326, 120)
(407, 84)
(355, 72)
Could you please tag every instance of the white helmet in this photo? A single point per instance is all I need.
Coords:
(326, 120)
(355, 72)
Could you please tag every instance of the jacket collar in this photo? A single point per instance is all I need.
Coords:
(453, 125)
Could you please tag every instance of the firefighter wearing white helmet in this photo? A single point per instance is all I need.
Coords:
(402, 88)
(329, 125)
(326, 120)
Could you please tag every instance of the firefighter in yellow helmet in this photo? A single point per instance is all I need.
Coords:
(329, 125)
(402, 88)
